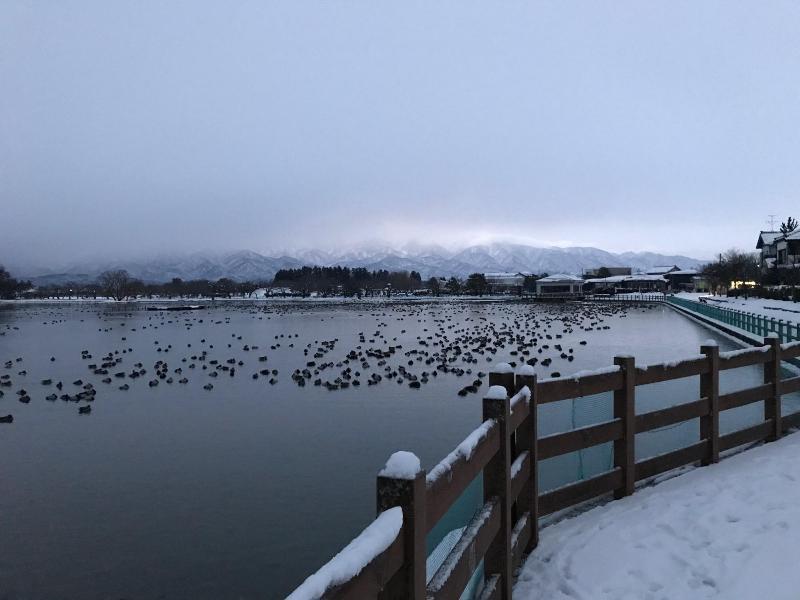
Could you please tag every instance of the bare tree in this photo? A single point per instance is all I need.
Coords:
(116, 283)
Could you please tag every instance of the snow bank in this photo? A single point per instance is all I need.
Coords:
(727, 531)
(464, 450)
(401, 465)
(354, 557)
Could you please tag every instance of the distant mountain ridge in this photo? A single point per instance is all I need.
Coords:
(428, 260)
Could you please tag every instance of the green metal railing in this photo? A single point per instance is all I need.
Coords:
(759, 325)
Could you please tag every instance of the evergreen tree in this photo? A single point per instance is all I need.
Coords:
(788, 226)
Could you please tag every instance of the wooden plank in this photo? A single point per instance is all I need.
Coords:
(791, 421)
(772, 376)
(742, 358)
(671, 415)
(525, 436)
(455, 572)
(756, 433)
(790, 350)
(443, 491)
(520, 536)
(409, 495)
(577, 439)
(671, 460)
(580, 491)
(669, 371)
(625, 410)
(497, 484)
(791, 385)
(491, 588)
(744, 397)
(552, 390)
(522, 465)
(374, 577)
(519, 412)
(709, 389)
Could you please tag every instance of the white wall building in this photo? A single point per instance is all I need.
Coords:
(559, 283)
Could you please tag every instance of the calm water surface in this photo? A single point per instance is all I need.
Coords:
(175, 491)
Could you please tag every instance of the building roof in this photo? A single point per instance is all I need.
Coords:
(684, 272)
(501, 275)
(559, 277)
(661, 270)
(621, 278)
(767, 237)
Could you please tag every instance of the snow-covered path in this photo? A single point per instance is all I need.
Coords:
(730, 530)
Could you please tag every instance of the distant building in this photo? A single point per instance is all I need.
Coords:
(505, 283)
(787, 248)
(662, 270)
(767, 244)
(701, 284)
(683, 280)
(609, 271)
(626, 283)
(559, 284)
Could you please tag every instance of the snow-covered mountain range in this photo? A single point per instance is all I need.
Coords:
(429, 260)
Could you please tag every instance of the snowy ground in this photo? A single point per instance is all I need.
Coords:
(730, 530)
(777, 309)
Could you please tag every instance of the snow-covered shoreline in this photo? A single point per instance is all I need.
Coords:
(724, 531)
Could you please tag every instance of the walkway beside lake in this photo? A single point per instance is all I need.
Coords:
(728, 530)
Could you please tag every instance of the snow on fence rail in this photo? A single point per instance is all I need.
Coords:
(758, 325)
(505, 448)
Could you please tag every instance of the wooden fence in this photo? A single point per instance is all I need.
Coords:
(507, 451)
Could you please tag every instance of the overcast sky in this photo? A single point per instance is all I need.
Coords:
(136, 127)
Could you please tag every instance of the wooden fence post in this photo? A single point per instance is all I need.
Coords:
(625, 409)
(497, 483)
(709, 388)
(409, 494)
(527, 437)
(772, 375)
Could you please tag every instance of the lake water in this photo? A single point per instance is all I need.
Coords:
(175, 491)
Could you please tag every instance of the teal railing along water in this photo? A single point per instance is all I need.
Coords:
(759, 325)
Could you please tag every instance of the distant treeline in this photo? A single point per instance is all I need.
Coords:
(10, 287)
(120, 285)
(346, 280)
(325, 281)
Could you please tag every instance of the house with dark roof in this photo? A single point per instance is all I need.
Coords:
(767, 244)
(787, 250)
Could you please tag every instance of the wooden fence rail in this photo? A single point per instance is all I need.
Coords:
(506, 450)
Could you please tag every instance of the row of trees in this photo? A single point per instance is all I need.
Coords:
(347, 281)
(10, 287)
(351, 282)
(119, 285)
(732, 266)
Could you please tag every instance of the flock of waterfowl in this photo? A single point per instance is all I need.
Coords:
(409, 344)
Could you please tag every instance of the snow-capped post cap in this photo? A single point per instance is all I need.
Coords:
(401, 465)
(496, 392)
(710, 343)
(503, 368)
(773, 334)
(527, 370)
